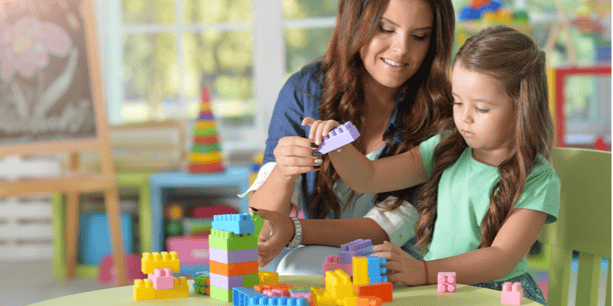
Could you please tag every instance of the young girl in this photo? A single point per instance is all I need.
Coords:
(490, 187)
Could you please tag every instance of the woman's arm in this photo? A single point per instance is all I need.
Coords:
(512, 242)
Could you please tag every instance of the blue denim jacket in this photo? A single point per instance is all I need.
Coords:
(300, 97)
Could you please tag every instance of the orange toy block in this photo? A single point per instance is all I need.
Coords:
(368, 301)
(261, 288)
(284, 287)
(241, 268)
(380, 290)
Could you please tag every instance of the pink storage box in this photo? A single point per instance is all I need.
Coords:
(191, 251)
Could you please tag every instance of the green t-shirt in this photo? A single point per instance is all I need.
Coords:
(464, 198)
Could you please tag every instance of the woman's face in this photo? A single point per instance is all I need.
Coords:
(400, 44)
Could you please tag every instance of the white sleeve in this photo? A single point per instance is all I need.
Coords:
(263, 174)
(399, 224)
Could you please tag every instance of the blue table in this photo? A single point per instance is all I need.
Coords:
(235, 176)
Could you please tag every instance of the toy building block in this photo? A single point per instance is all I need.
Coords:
(202, 282)
(229, 257)
(260, 288)
(221, 294)
(321, 297)
(162, 279)
(512, 294)
(331, 263)
(144, 290)
(273, 292)
(152, 261)
(338, 137)
(384, 291)
(306, 295)
(359, 247)
(368, 301)
(242, 295)
(285, 287)
(250, 280)
(234, 269)
(376, 269)
(338, 284)
(360, 271)
(277, 301)
(227, 241)
(226, 282)
(268, 278)
(235, 223)
(258, 223)
(446, 282)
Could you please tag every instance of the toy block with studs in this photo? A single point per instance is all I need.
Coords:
(368, 301)
(338, 284)
(321, 297)
(331, 263)
(338, 137)
(230, 257)
(360, 271)
(202, 282)
(384, 291)
(306, 295)
(143, 290)
(268, 278)
(234, 223)
(376, 269)
(277, 301)
(446, 282)
(511, 294)
(227, 241)
(234, 269)
(221, 294)
(241, 296)
(152, 261)
(162, 279)
(359, 247)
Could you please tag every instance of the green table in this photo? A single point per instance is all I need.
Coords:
(125, 179)
(403, 295)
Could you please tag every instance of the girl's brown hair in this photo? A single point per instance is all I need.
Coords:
(425, 96)
(515, 60)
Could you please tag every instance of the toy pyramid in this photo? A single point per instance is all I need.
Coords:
(205, 156)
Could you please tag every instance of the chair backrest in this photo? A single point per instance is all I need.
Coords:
(584, 225)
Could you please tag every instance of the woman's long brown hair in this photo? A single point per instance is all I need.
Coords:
(514, 59)
(425, 96)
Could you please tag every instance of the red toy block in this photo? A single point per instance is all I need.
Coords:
(384, 291)
(368, 301)
(214, 167)
(261, 288)
(511, 294)
(446, 282)
(162, 279)
(234, 269)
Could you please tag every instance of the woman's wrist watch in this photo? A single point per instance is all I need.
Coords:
(297, 234)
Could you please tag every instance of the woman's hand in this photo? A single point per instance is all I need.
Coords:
(282, 231)
(296, 155)
(319, 128)
(401, 267)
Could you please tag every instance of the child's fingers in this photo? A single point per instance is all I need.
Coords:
(320, 133)
(393, 266)
(329, 126)
(313, 131)
(307, 121)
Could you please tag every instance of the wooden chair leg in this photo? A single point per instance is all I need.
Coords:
(111, 200)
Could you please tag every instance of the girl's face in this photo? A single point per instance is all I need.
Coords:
(400, 44)
(483, 113)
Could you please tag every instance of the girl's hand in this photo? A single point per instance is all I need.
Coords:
(282, 231)
(401, 267)
(319, 128)
(296, 155)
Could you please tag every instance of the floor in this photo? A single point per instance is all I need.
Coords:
(42, 284)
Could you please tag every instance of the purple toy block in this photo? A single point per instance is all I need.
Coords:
(226, 282)
(234, 223)
(338, 137)
(162, 279)
(229, 257)
(205, 117)
(359, 247)
(446, 282)
(511, 294)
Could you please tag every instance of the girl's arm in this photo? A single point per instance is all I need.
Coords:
(366, 176)
(513, 242)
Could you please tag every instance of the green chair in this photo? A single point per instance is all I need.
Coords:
(584, 225)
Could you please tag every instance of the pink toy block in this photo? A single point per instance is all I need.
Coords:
(162, 279)
(191, 251)
(512, 294)
(331, 263)
(338, 137)
(306, 295)
(108, 271)
(446, 282)
(273, 292)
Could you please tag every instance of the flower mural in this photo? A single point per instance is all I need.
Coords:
(26, 45)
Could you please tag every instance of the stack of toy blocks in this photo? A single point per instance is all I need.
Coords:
(160, 283)
(446, 282)
(233, 255)
(511, 294)
(338, 137)
(206, 152)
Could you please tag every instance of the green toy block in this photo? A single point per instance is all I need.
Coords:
(251, 280)
(202, 148)
(258, 222)
(205, 131)
(227, 241)
(520, 15)
(221, 294)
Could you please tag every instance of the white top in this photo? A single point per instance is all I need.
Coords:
(399, 224)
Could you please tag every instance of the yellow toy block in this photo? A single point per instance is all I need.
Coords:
(152, 261)
(268, 278)
(320, 297)
(205, 107)
(360, 270)
(338, 284)
(143, 290)
(205, 158)
(205, 124)
(350, 301)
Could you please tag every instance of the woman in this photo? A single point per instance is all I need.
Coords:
(385, 70)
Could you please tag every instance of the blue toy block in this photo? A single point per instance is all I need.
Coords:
(469, 13)
(493, 6)
(376, 266)
(338, 137)
(277, 301)
(242, 295)
(377, 279)
(234, 223)
(359, 247)
(94, 242)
